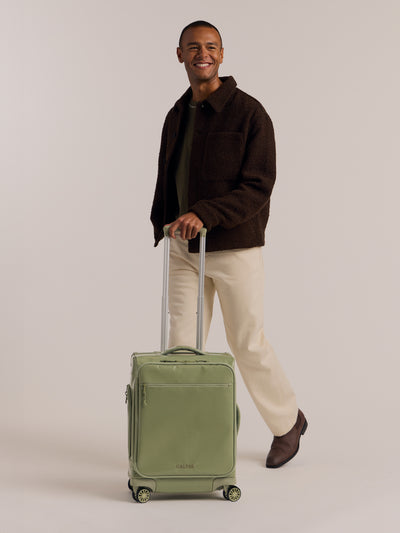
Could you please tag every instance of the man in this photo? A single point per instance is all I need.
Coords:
(217, 169)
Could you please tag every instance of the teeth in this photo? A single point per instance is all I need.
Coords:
(202, 64)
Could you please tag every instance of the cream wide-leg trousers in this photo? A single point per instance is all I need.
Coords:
(238, 278)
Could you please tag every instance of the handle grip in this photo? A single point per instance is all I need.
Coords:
(202, 231)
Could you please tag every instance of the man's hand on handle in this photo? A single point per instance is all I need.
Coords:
(189, 225)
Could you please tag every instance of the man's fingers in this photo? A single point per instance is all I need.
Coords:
(188, 231)
(194, 232)
(171, 230)
(188, 224)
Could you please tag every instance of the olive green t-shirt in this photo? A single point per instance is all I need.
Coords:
(183, 166)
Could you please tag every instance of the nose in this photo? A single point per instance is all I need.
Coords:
(201, 52)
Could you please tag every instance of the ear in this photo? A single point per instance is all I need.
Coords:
(222, 55)
(179, 54)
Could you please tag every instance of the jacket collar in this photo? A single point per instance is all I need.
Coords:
(217, 99)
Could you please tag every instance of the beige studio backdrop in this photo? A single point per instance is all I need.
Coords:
(86, 88)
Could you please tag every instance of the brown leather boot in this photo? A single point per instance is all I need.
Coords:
(285, 447)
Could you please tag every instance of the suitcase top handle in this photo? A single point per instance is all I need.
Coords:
(176, 349)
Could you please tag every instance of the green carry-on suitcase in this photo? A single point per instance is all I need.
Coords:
(182, 413)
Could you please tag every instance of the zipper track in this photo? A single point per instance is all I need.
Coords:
(196, 385)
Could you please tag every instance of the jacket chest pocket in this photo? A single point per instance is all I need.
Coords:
(222, 156)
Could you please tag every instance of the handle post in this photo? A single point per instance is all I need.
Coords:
(200, 296)
(164, 301)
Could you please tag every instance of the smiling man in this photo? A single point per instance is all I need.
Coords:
(216, 169)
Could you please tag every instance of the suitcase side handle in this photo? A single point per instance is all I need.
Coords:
(176, 349)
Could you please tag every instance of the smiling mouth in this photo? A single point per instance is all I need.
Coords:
(202, 65)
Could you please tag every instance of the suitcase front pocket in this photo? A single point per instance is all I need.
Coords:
(186, 430)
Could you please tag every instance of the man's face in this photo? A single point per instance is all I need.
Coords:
(201, 52)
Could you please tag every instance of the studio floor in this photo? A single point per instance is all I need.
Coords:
(56, 484)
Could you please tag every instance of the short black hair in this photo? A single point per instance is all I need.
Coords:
(197, 24)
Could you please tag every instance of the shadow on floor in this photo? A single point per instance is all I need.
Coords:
(55, 465)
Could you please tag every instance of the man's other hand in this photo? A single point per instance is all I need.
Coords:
(189, 225)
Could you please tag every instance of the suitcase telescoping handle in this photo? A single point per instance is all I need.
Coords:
(200, 296)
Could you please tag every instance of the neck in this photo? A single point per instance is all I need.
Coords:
(202, 90)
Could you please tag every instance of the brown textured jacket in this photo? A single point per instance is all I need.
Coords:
(232, 169)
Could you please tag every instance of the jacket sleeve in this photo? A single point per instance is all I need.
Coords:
(256, 181)
(157, 209)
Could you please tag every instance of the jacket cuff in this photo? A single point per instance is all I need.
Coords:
(204, 215)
